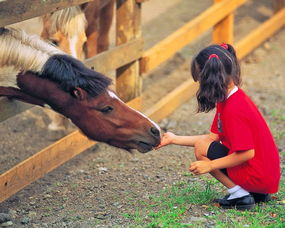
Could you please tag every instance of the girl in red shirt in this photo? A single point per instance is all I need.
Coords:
(239, 151)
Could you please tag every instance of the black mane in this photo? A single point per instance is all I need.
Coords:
(71, 73)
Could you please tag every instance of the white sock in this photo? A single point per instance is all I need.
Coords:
(237, 192)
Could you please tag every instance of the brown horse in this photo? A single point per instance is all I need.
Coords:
(103, 117)
(73, 90)
(81, 31)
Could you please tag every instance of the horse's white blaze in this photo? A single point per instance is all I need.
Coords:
(154, 123)
(113, 95)
(73, 43)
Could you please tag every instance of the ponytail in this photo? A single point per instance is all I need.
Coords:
(214, 67)
(213, 85)
(236, 77)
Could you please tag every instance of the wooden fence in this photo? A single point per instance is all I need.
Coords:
(131, 63)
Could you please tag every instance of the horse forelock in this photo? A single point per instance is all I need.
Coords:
(71, 73)
(69, 21)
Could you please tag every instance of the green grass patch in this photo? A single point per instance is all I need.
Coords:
(167, 209)
(174, 207)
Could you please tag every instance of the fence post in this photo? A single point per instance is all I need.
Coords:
(278, 5)
(223, 31)
(128, 27)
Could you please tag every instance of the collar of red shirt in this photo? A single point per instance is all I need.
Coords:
(232, 91)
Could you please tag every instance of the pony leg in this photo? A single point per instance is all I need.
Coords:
(91, 47)
(58, 122)
(92, 14)
(105, 22)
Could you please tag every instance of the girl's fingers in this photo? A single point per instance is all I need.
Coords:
(159, 146)
(192, 167)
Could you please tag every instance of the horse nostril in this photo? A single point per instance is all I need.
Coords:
(155, 131)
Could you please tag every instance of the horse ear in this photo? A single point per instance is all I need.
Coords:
(79, 93)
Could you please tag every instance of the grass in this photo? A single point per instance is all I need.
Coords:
(167, 209)
(175, 205)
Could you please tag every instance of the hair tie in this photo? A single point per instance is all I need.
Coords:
(225, 46)
(213, 56)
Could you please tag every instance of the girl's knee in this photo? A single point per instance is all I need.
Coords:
(201, 148)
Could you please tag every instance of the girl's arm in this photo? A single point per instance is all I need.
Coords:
(170, 138)
(191, 140)
(234, 159)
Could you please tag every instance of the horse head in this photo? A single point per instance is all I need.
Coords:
(103, 117)
(66, 29)
(81, 31)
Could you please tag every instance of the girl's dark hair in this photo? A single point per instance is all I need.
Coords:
(214, 74)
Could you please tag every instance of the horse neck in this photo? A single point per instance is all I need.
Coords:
(24, 52)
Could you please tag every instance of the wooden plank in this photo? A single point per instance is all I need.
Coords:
(129, 82)
(260, 34)
(172, 101)
(10, 108)
(223, 31)
(135, 103)
(116, 57)
(141, 1)
(13, 11)
(192, 30)
(46, 160)
(41, 163)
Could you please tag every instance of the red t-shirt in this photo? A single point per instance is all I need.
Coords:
(240, 127)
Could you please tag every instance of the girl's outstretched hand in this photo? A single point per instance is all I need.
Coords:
(166, 139)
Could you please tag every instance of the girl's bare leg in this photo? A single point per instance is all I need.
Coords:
(201, 147)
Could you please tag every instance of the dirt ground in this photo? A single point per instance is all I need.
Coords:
(97, 187)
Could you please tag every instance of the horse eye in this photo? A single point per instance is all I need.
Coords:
(107, 109)
(54, 42)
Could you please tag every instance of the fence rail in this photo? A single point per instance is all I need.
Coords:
(130, 62)
(186, 34)
(13, 11)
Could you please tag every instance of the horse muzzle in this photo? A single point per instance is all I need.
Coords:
(142, 143)
(146, 144)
